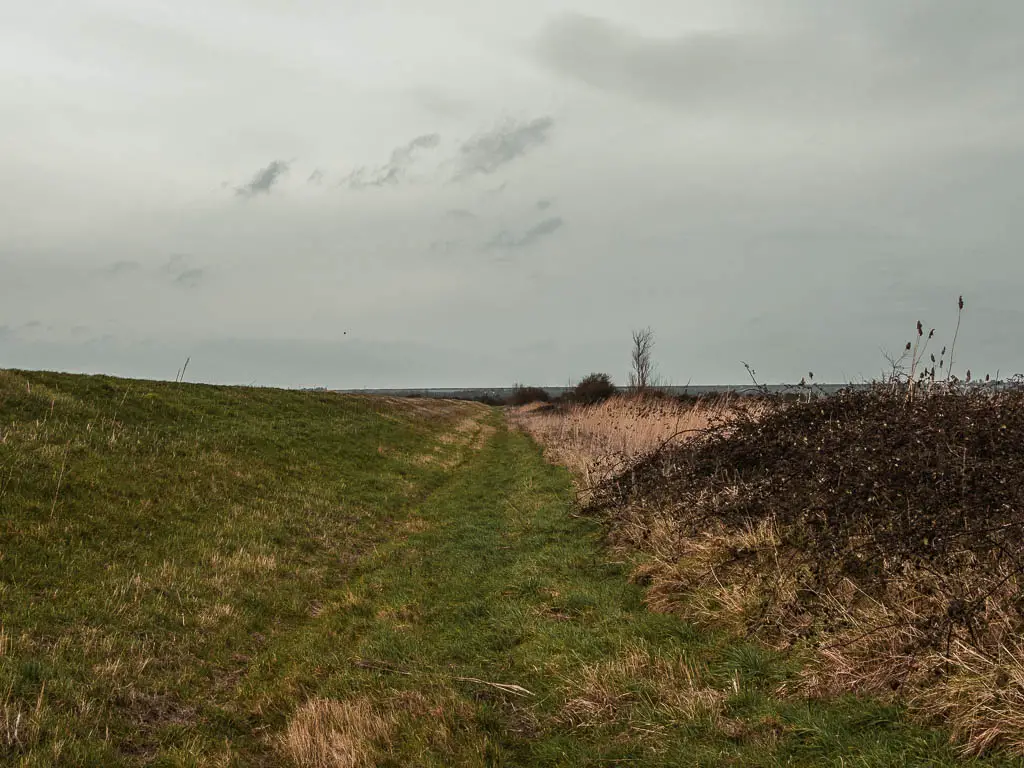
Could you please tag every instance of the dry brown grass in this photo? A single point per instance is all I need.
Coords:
(594, 441)
(325, 733)
(879, 644)
(644, 692)
(460, 413)
(701, 577)
(21, 726)
(883, 645)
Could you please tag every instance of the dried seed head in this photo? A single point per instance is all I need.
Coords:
(961, 302)
(908, 346)
(920, 328)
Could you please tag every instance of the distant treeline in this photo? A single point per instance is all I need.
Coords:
(523, 394)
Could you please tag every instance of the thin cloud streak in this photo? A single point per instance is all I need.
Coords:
(393, 171)
(487, 152)
(533, 235)
(264, 179)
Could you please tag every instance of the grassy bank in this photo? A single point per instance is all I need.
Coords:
(159, 544)
(224, 576)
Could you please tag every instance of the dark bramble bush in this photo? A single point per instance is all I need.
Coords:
(525, 395)
(865, 485)
(595, 388)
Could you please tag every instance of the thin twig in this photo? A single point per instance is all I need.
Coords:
(113, 421)
(959, 315)
(60, 478)
(378, 666)
(518, 690)
(7, 482)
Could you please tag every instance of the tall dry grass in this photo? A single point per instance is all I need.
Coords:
(595, 441)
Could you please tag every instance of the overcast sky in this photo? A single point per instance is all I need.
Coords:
(352, 193)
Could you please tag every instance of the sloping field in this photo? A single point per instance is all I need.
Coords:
(161, 546)
(212, 576)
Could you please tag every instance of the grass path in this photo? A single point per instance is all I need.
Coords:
(503, 584)
(214, 576)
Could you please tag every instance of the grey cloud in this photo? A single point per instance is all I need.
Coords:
(394, 170)
(868, 55)
(439, 102)
(487, 152)
(503, 239)
(316, 177)
(190, 278)
(264, 179)
(15, 333)
(33, 329)
(506, 239)
(460, 213)
(121, 267)
(427, 141)
(175, 264)
(543, 205)
(445, 246)
(543, 229)
(181, 273)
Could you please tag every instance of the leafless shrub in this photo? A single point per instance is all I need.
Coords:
(642, 360)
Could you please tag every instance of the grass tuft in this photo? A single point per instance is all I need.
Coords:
(336, 734)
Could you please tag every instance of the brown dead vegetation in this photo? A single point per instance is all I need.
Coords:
(598, 441)
(325, 733)
(879, 533)
(637, 687)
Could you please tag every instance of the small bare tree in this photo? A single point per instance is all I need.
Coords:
(642, 361)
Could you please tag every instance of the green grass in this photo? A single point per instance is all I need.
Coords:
(187, 572)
